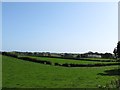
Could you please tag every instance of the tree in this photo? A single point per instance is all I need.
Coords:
(66, 55)
(78, 56)
(107, 55)
(118, 49)
(115, 52)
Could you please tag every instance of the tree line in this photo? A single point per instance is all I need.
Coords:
(60, 55)
(116, 54)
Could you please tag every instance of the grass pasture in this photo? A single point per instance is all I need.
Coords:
(69, 61)
(24, 74)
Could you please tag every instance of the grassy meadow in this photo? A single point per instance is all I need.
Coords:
(24, 74)
(59, 60)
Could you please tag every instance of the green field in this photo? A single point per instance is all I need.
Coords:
(99, 58)
(69, 61)
(24, 74)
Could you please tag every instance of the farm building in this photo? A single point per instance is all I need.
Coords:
(94, 56)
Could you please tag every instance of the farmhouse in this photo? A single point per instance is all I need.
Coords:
(94, 56)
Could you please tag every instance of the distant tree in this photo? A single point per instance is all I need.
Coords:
(35, 53)
(29, 53)
(78, 56)
(107, 55)
(90, 52)
(49, 54)
(66, 55)
(41, 54)
(97, 53)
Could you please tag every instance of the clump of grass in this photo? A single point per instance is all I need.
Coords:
(114, 84)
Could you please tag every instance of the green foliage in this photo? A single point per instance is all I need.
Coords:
(118, 49)
(114, 84)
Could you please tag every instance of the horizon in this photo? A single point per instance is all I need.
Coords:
(60, 27)
(59, 52)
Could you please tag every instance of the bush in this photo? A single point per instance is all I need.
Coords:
(35, 60)
(48, 62)
(66, 65)
(9, 54)
(113, 84)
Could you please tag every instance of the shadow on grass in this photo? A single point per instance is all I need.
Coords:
(113, 72)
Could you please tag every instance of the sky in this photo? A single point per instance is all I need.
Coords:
(60, 27)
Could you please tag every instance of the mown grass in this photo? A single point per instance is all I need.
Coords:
(25, 74)
(99, 58)
(69, 61)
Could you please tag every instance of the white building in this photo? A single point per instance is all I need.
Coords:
(94, 56)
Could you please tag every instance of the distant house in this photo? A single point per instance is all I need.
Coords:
(93, 56)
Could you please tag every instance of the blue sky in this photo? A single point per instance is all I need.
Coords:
(60, 27)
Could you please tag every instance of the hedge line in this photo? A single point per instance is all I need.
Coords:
(58, 64)
(35, 60)
(83, 59)
(85, 65)
(9, 54)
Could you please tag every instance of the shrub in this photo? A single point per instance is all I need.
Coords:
(65, 65)
(9, 54)
(114, 84)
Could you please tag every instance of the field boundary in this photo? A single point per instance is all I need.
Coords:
(64, 64)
